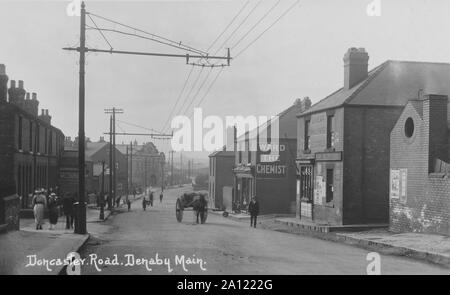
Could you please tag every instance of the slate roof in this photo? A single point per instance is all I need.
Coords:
(392, 83)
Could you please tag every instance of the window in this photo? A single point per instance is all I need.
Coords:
(409, 127)
(330, 187)
(307, 136)
(46, 141)
(20, 133)
(306, 183)
(330, 132)
(31, 137)
(50, 148)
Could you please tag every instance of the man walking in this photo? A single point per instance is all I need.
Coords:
(253, 209)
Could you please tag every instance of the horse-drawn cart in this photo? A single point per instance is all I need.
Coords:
(192, 201)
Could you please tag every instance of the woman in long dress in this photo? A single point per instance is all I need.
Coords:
(53, 210)
(39, 203)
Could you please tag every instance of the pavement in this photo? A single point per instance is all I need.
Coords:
(153, 242)
(432, 248)
(32, 252)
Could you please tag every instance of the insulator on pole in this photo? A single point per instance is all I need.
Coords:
(228, 56)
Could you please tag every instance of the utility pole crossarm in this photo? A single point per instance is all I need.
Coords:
(142, 134)
(186, 56)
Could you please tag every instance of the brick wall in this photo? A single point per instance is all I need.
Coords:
(366, 163)
(426, 205)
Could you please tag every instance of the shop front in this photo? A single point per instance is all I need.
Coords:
(245, 187)
(305, 189)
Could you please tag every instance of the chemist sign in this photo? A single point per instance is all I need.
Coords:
(270, 170)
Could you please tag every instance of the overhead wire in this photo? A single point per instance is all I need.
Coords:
(186, 47)
(256, 24)
(268, 28)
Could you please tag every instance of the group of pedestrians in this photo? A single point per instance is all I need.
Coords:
(149, 201)
(44, 200)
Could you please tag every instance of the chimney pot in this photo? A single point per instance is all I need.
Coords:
(42, 112)
(2, 69)
(46, 112)
(21, 84)
(34, 96)
(28, 96)
(13, 83)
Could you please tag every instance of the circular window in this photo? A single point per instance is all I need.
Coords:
(409, 127)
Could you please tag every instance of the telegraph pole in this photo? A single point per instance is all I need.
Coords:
(181, 168)
(145, 175)
(110, 163)
(171, 168)
(131, 166)
(80, 224)
(112, 135)
(128, 181)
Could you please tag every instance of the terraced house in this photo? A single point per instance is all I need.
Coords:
(344, 139)
(30, 150)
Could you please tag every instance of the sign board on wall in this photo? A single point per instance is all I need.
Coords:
(394, 184)
(399, 184)
(404, 185)
(319, 190)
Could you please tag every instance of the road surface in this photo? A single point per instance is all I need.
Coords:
(132, 241)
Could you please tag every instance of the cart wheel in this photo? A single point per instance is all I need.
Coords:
(179, 211)
(205, 215)
(225, 214)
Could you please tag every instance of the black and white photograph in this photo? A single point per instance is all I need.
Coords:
(223, 144)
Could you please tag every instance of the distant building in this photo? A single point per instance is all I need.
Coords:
(30, 150)
(145, 163)
(420, 167)
(221, 164)
(344, 139)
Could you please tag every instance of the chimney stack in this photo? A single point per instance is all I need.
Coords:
(45, 117)
(3, 83)
(355, 66)
(12, 92)
(34, 104)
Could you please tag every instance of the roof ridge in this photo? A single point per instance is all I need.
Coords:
(373, 74)
(421, 62)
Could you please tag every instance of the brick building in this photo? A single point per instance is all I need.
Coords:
(95, 153)
(344, 139)
(221, 164)
(420, 169)
(272, 181)
(30, 149)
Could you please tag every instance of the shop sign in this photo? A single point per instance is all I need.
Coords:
(270, 170)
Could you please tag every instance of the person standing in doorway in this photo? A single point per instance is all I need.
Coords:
(253, 209)
(160, 197)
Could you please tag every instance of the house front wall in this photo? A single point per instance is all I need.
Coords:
(326, 163)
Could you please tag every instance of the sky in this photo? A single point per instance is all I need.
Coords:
(300, 55)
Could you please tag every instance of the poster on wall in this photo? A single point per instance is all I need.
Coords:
(404, 185)
(319, 190)
(395, 184)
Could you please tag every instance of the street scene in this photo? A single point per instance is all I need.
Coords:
(244, 138)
